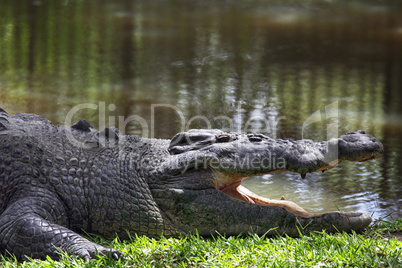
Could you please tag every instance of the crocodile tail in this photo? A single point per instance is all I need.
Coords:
(4, 122)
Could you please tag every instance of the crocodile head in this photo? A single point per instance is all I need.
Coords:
(206, 168)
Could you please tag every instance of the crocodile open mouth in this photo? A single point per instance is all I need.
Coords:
(231, 185)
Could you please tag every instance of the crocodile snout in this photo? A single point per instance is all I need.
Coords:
(358, 146)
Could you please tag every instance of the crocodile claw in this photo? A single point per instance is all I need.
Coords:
(90, 250)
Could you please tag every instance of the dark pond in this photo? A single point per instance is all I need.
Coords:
(290, 69)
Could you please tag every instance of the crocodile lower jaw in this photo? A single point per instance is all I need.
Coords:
(232, 187)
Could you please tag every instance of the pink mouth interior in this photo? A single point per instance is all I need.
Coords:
(236, 190)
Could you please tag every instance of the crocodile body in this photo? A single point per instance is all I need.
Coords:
(57, 182)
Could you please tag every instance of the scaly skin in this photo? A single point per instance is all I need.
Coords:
(58, 182)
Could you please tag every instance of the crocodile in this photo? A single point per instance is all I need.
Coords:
(58, 182)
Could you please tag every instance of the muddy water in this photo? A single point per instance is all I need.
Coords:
(313, 70)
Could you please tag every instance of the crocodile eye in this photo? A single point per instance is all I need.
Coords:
(192, 140)
(254, 138)
(223, 138)
(188, 138)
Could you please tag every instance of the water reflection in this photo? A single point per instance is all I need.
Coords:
(259, 66)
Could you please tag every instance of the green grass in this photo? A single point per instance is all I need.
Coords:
(376, 247)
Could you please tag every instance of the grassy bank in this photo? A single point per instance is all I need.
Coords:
(378, 246)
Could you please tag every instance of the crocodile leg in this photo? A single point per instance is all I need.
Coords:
(27, 228)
